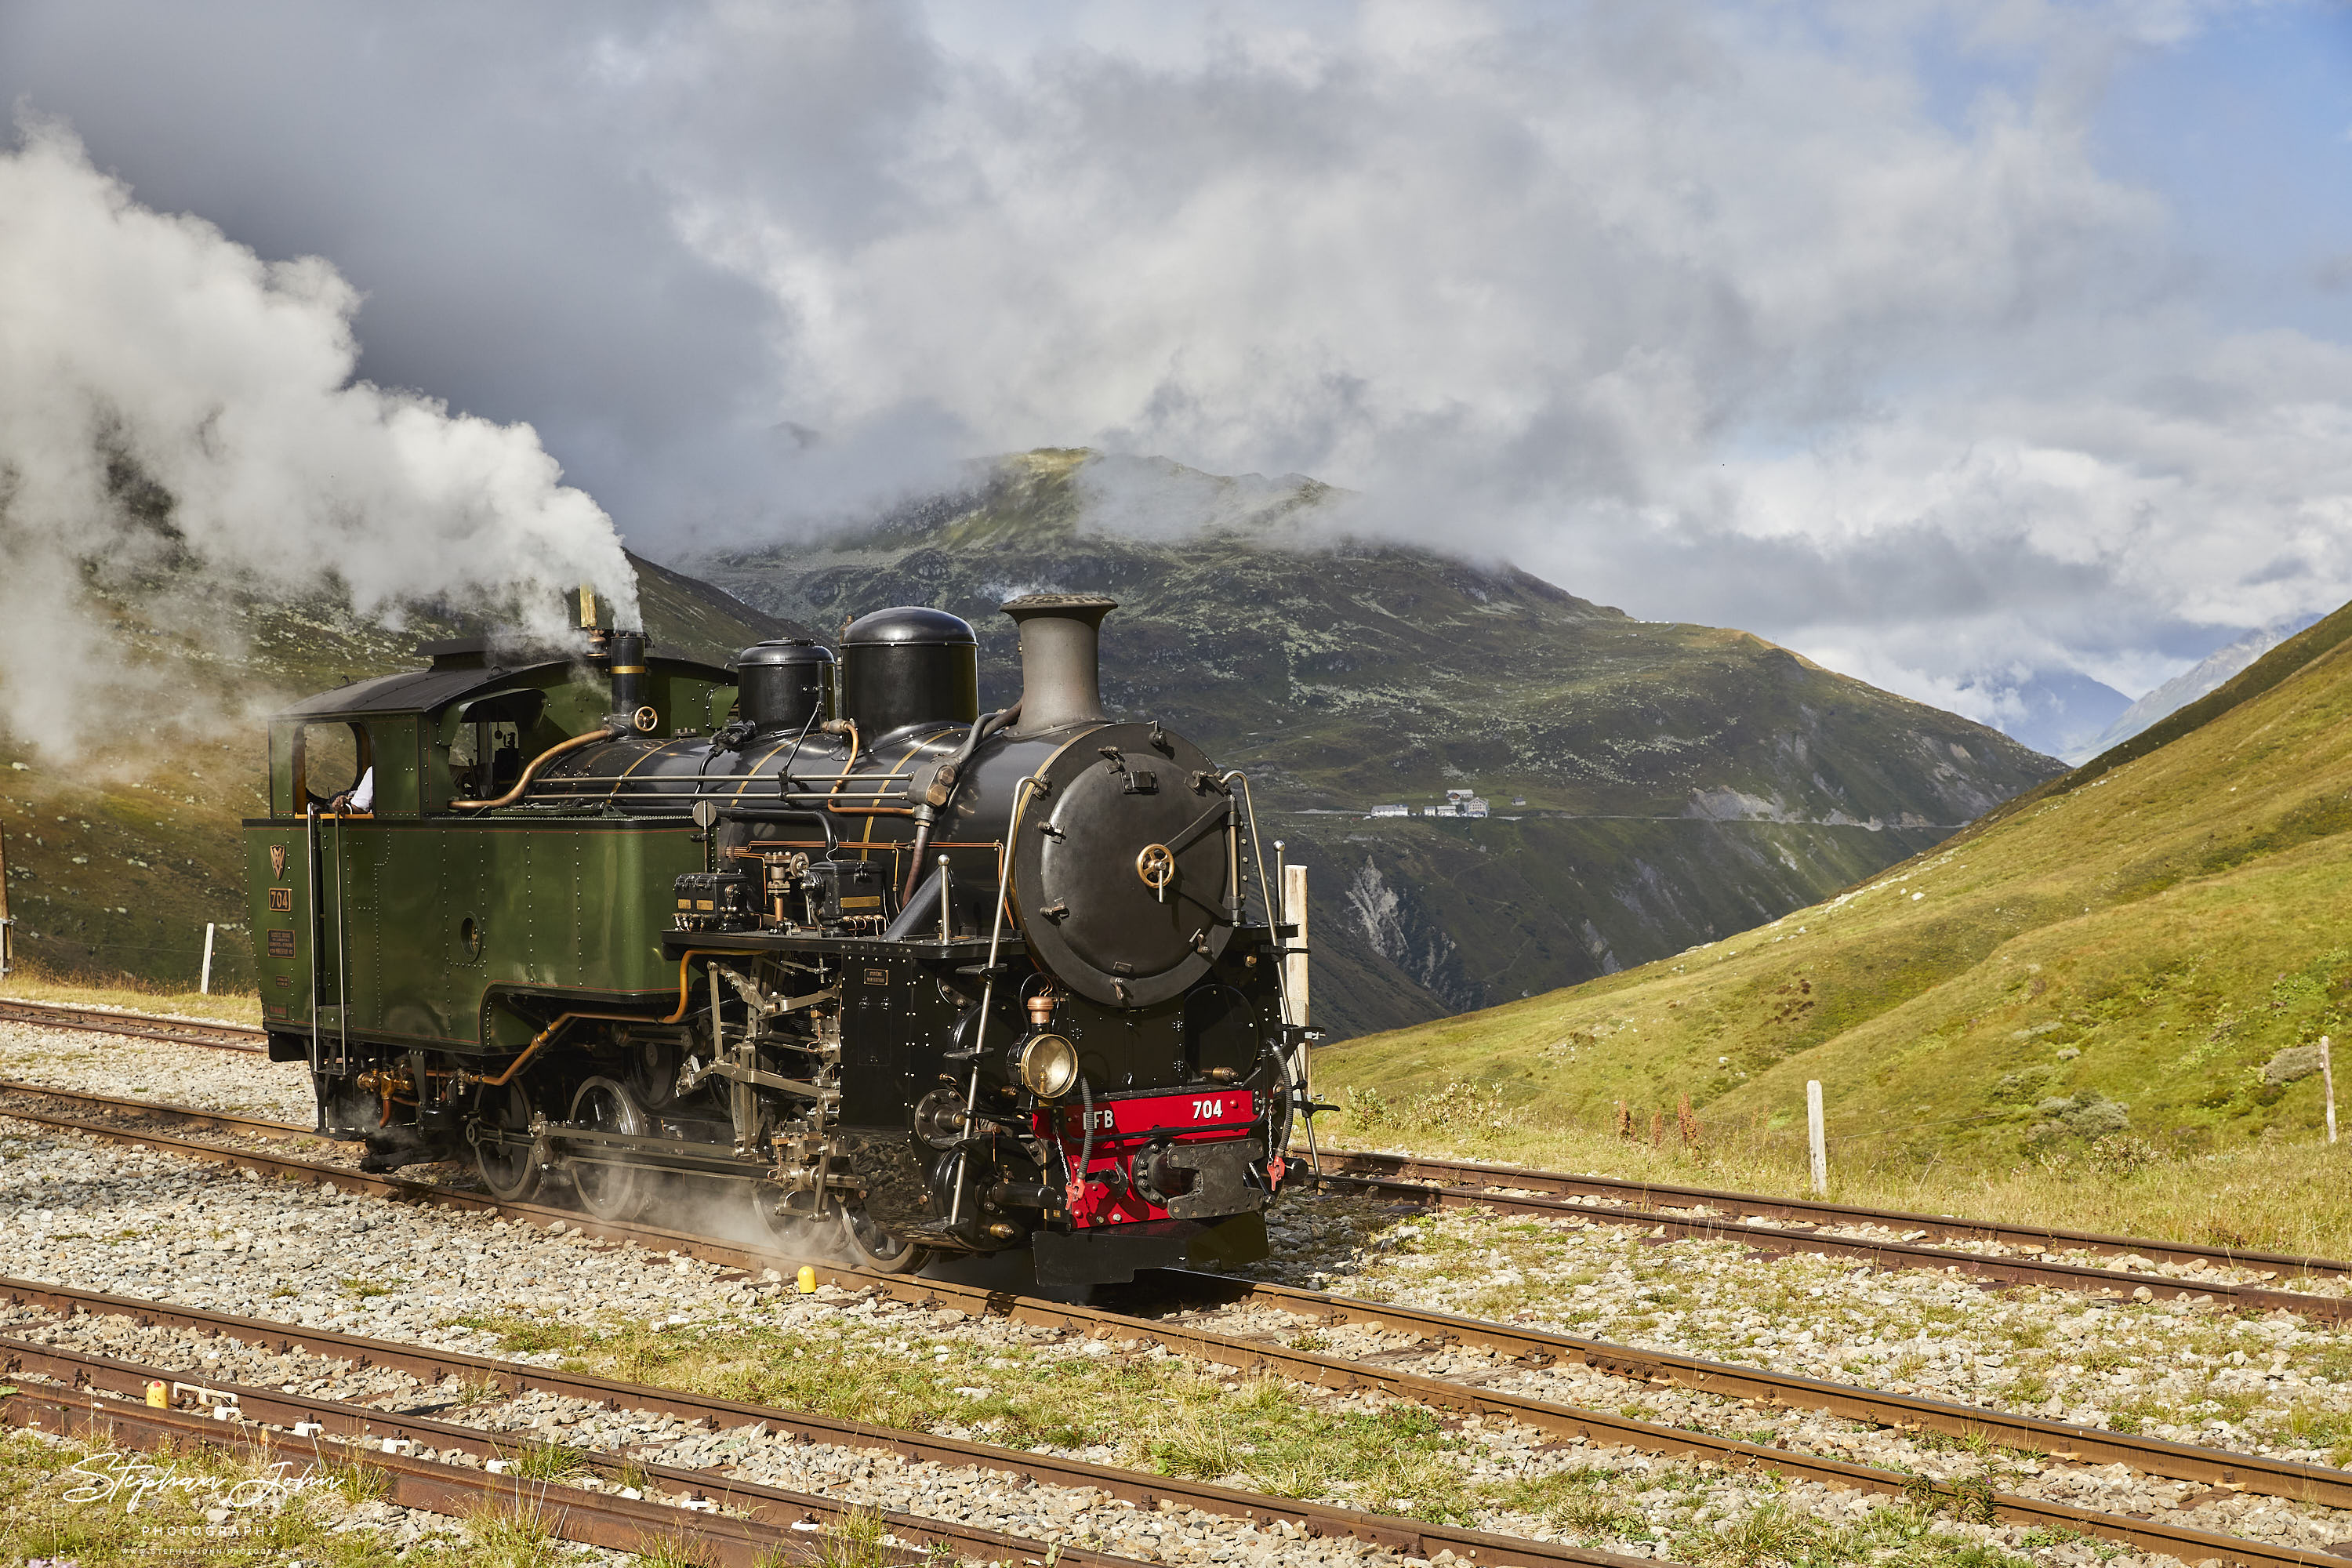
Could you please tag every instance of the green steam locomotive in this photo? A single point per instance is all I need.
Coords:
(910, 978)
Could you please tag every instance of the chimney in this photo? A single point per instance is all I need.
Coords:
(627, 651)
(1061, 659)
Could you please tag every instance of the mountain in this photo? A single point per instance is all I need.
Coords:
(115, 862)
(2058, 712)
(1653, 784)
(2149, 948)
(2184, 688)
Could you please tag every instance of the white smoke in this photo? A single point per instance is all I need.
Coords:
(139, 343)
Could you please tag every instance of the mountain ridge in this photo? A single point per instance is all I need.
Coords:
(1679, 782)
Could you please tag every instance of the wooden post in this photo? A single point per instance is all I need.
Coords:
(1293, 966)
(205, 981)
(7, 926)
(1817, 1135)
(2327, 1080)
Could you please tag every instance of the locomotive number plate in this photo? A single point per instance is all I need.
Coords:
(281, 898)
(281, 945)
(877, 977)
(1178, 1113)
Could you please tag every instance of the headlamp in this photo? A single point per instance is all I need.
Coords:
(1046, 1065)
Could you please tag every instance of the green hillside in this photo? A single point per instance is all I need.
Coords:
(2133, 963)
(1680, 782)
(116, 860)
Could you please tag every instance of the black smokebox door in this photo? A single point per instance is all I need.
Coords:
(1119, 868)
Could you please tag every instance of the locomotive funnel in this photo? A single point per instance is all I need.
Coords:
(627, 651)
(1061, 658)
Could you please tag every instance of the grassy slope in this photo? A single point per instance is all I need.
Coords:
(2151, 929)
(116, 861)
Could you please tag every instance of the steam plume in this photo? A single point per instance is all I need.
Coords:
(144, 353)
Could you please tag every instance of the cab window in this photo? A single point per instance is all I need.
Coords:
(327, 759)
(486, 759)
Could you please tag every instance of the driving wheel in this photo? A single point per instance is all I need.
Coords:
(612, 1186)
(793, 1229)
(507, 1169)
(874, 1248)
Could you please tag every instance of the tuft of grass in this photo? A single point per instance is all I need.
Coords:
(513, 1532)
(1575, 1502)
(677, 1549)
(356, 1481)
(857, 1542)
(549, 1462)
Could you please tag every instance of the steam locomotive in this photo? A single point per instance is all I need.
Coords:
(912, 978)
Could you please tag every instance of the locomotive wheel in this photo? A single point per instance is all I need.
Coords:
(874, 1248)
(511, 1174)
(610, 1191)
(793, 1235)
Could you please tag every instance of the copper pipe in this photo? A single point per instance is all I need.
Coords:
(549, 1033)
(841, 778)
(523, 782)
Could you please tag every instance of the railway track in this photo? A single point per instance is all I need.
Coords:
(1529, 1347)
(1995, 1271)
(139, 1025)
(1794, 1224)
(1787, 1224)
(1886, 1254)
(429, 1367)
(1510, 1189)
(735, 1523)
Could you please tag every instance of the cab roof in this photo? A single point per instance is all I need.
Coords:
(464, 667)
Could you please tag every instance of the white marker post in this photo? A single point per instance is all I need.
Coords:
(204, 982)
(2328, 1080)
(1294, 965)
(1818, 1136)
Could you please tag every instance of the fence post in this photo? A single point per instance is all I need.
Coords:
(1817, 1136)
(205, 981)
(6, 925)
(1293, 966)
(2327, 1077)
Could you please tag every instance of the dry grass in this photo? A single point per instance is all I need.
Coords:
(1165, 1415)
(2273, 1195)
(26, 984)
(49, 1509)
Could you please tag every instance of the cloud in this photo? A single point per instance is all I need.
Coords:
(143, 356)
(1609, 289)
(1831, 322)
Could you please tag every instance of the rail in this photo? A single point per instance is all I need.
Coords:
(2253, 1473)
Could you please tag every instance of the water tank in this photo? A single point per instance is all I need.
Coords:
(785, 685)
(908, 666)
